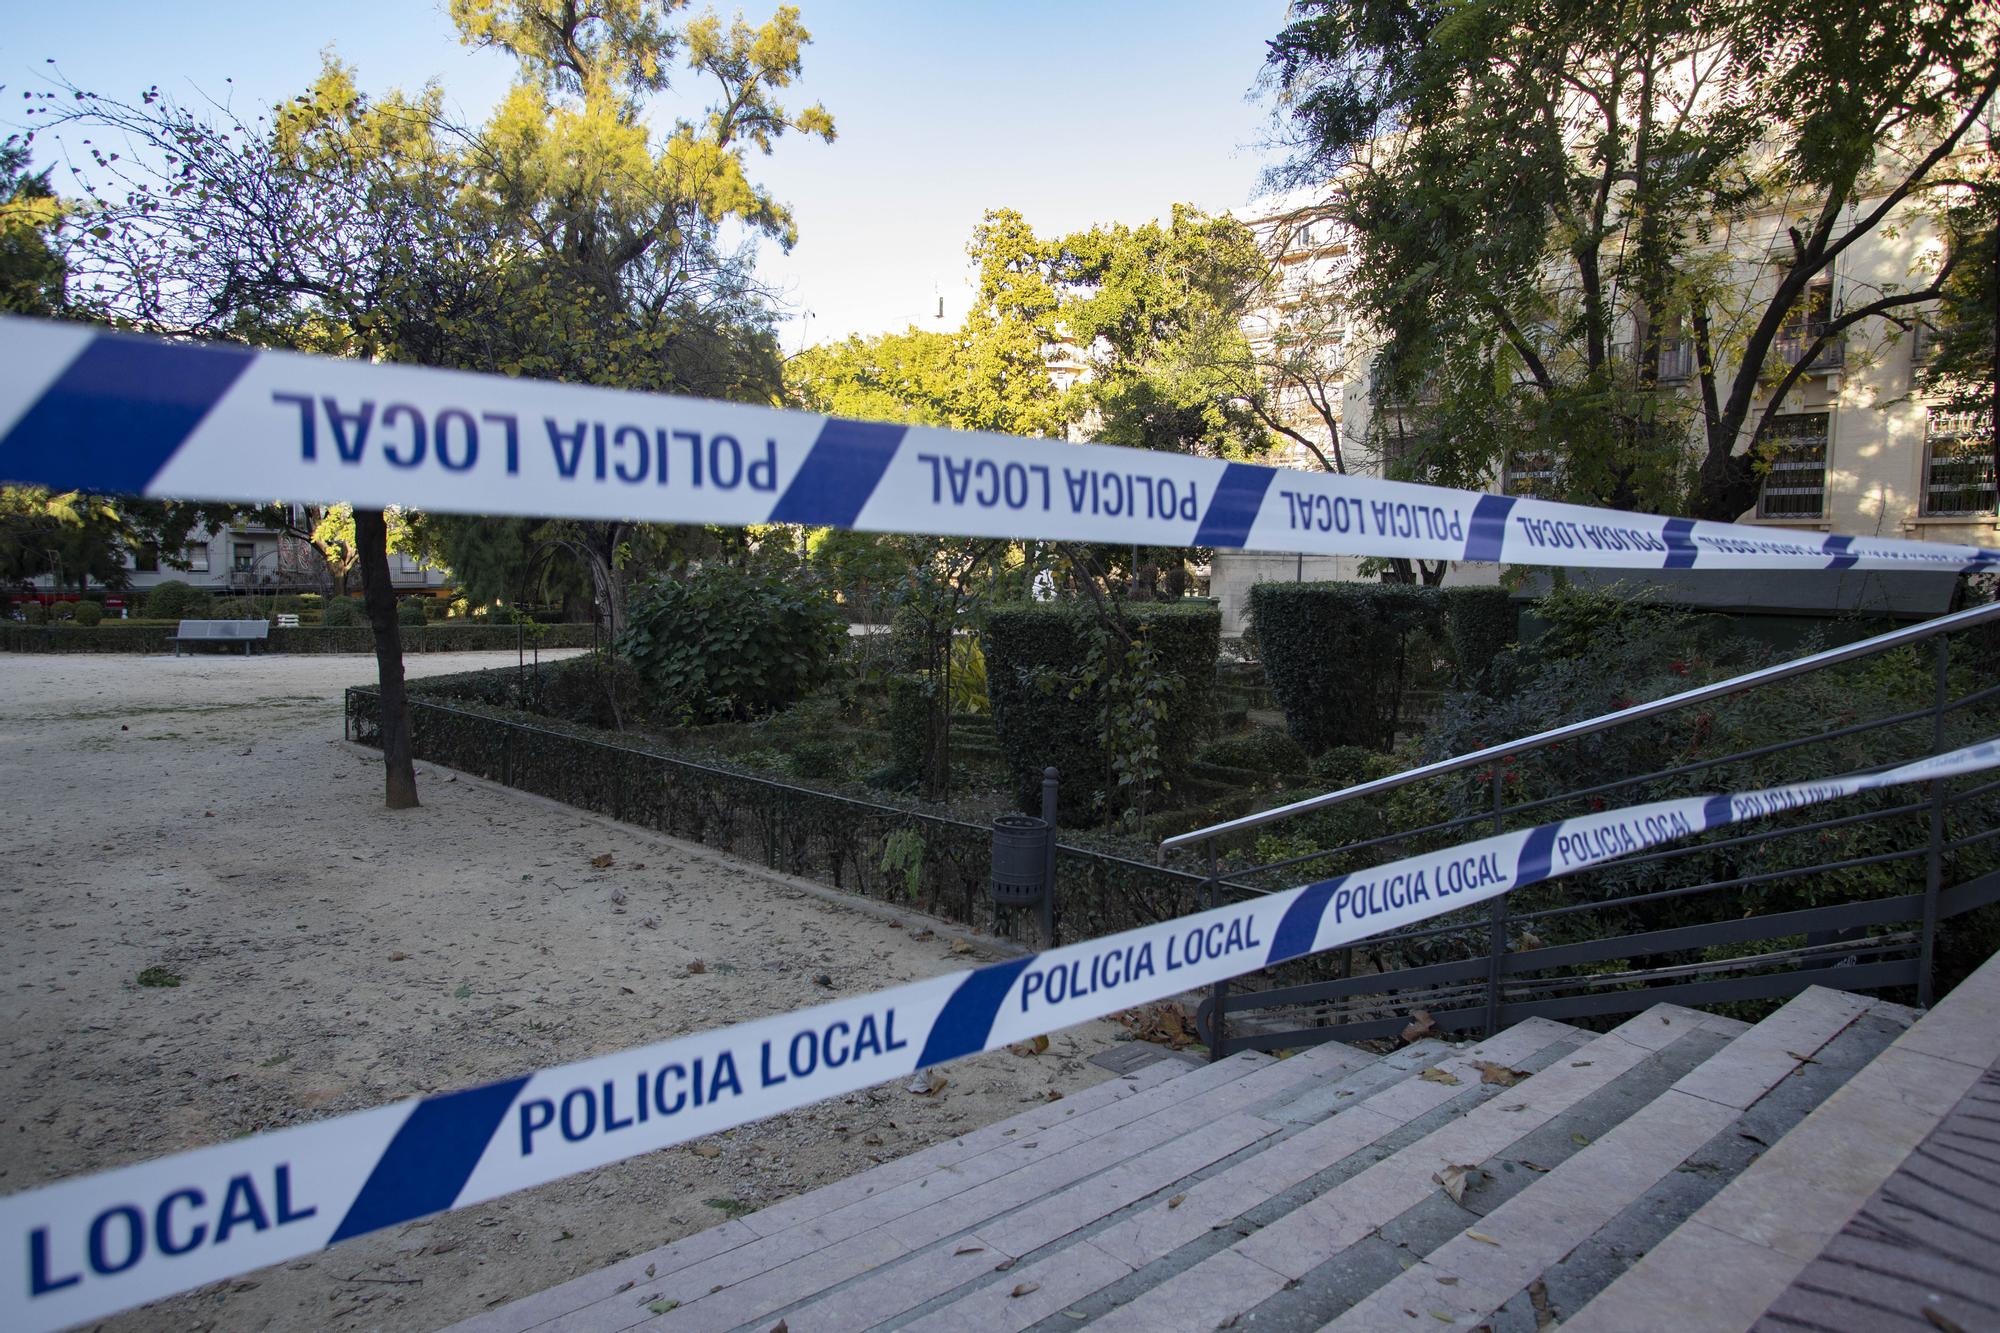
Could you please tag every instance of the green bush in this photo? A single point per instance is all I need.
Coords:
(410, 612)
(1337, 656)
(597, 689)
(909, 728)
(1261, 750)
(89, 614)
(1048, 668)
(1479, 624)
(34, 613)
(826, 760)
(1344, 766)
(341, 613)
(174, 599)
(62, 612)
(724, 644)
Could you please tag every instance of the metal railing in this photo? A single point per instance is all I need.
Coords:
(1889, 866)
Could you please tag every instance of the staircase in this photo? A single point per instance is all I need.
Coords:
(1679, 1171)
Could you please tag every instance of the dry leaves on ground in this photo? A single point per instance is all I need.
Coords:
(1421, 1026)
(603, 860)
(1436, 1075)
(1031, 1047)
(1498, 1074)
(1454, 1179)
(1166, 1023)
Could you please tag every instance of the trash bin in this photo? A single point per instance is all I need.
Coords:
(1020, 860)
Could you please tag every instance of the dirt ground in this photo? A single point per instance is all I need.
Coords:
(204, 816)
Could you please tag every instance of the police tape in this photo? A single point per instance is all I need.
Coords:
(91, 1246)
(86, 410)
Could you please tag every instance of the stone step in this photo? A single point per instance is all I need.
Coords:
(1501, 1254)
(1339, 1120)
(1741, 1251)
(535, 1311)
(1284, 1252)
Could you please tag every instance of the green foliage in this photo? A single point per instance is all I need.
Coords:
(34, 613)
(157, 976)
(31, 217)
(967, 692)
(825, 760)
(1261, 750)
(909, 727)
(173, 599)
(88, 614)
(1479, 623)
(903, 856)
(1338, 656)
(410, 611)
(62, 613)
(1577, 618)
(597, 689)
(728, 644)
(1113, 716)
(341, 613)
(1343, 766)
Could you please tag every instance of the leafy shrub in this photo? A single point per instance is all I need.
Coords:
(909, 729)
(1261, 750)
(34, 613)
(967, 670)
(1059, 680)
(174, 599)
(341, 613)
(89, 613)
(410, 612)
(597, 689)
(1337, 656)
(62, 612)
(1344, 766)
(826, 760)
(725, 644)
(1479, 623)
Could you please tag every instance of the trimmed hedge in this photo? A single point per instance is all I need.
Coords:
(114, 637)
(1264, 750)
(1478, 624)
(1336, 655)
(1045, 714)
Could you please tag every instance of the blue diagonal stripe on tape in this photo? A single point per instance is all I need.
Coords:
(1681, 549)
(1488, 528)
(1836, 546)
(430, 1159)
(966, 1020)
(840, 473)
(1233, 507)
(1716, 811)
(114, 417)
(1535, 855)
(1299, 927)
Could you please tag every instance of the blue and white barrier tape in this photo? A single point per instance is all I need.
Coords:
(90, 1246)
(82, 409)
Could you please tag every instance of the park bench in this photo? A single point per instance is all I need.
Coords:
(225, 632)
(288, 621)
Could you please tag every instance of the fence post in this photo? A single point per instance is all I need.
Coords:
(1218, 1017)
(1934, 857)
(1051, 789)
(1497, 946)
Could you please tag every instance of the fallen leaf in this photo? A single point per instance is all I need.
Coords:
(1580, 1140)
(1077, 1315)
(1032, 1047)
(602, 860)
(1498, 1074)
(968, 1249)
(1545, 1314)
(1939, 1319)
(927, 1082)
(627, 1285)
(697, 967)
(399, 957)
(1444, 1318)
(1421, 1026)
(872, 1140)
(1176, 1202)
(1435, 1075)
(1447, 1281)
(781, 1327)
(705, 1150)
(1406, 1261)
(1802, 1059)
(1530, 940)
(823, 979)
(960, 946)
(1052, 1095)
(1003, 1265)
(1229, 1321)
(1481, 1237)
(649, 1270)
(1025, 1288)
(1454, 1180)
(1534, 1166)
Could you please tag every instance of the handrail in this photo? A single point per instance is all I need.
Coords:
(1734, 685)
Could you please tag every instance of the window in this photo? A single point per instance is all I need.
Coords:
(1958, 463)
(196, 557)
(1806, 322)
(1923, 339)
(246, 555)
(146, 558)
(1530, 472)
(1795, 487)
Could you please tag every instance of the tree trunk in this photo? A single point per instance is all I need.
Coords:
(371, 535)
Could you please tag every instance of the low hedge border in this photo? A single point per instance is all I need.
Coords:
(891, 853)
(111, 637)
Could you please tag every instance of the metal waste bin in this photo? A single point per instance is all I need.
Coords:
(1020, 860)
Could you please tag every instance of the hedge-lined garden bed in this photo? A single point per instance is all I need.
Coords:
(893, 853)
(112, 637)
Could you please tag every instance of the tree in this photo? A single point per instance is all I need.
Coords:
(31, 271)
(1551, 205)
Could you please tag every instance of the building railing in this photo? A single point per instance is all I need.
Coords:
(1924, 858)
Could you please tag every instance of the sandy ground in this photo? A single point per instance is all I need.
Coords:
(203, 815)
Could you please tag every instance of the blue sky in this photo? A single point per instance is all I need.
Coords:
(1072, 112)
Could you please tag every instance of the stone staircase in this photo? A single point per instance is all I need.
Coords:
(1677, 1172)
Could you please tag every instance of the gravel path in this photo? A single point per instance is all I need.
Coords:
(203, 816)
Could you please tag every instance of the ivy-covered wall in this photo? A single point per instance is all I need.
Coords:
(1058, 678)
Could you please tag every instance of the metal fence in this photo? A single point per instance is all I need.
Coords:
(1858, 899)
(910, 857)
